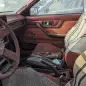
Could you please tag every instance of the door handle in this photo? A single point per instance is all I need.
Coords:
(55, 23)
(58, 23)
(47, 23)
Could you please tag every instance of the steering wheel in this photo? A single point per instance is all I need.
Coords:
(9, 60)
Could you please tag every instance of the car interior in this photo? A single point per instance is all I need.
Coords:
(42, 50)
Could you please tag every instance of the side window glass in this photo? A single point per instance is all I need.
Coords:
(45, 7)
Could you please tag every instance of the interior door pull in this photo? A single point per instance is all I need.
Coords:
(54, 35)
(54, 23)
(47, 23)
(59, 24)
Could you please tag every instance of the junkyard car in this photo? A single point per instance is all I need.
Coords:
(41, 42)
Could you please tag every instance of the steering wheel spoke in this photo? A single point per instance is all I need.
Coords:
(10, 55)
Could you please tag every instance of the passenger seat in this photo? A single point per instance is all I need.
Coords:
(79, 71)
(75, 40)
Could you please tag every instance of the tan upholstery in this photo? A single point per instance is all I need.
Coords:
(79, 71)
(75, 40)
(75, 35)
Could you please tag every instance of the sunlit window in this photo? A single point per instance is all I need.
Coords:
(11, 5)
(44, 7)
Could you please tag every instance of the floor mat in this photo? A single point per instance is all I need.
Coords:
(27, 77)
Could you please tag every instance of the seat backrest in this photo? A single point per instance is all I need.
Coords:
(76, 33)
(79, 71)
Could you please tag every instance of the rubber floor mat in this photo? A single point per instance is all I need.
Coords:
(27, 77)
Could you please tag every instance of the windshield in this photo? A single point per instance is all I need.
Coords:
(11, 6)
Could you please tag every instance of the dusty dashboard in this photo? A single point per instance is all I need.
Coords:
(3, 18)
(14, 21)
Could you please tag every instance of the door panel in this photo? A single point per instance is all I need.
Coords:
(58, 24)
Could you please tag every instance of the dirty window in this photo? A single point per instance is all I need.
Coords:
(44, 7)
(11, 5)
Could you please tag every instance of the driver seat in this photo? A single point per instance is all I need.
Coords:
(29, 77)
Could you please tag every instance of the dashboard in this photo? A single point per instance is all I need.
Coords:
(3, 18)
(14, 21)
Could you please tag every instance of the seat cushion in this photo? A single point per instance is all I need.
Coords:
(79, 72)
(28, 77)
